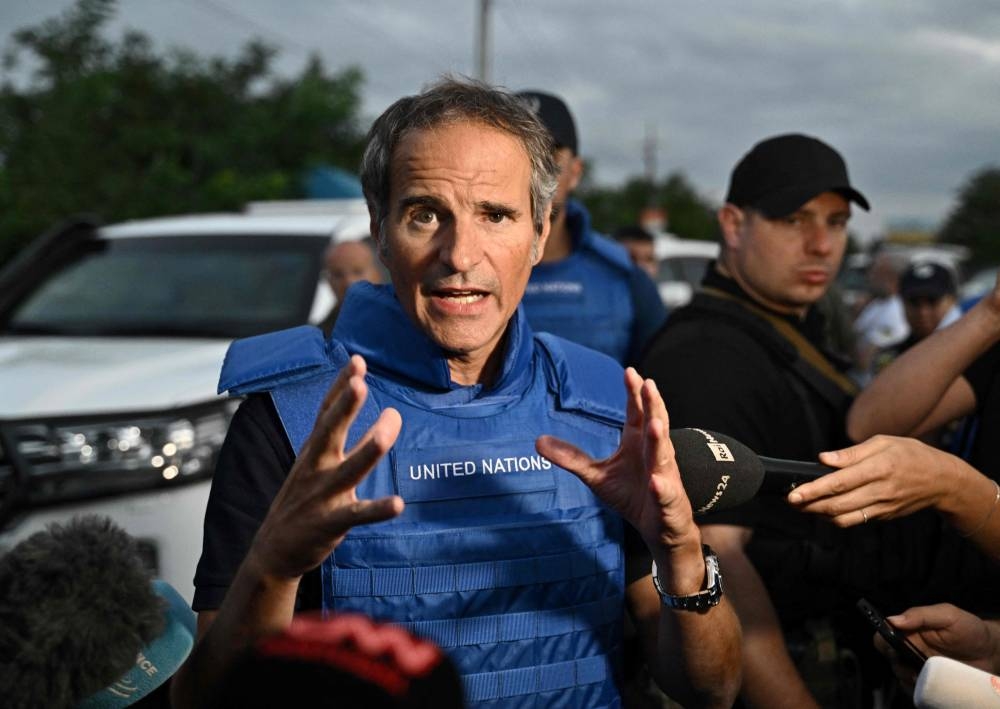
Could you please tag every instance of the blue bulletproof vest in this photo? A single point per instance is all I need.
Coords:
(506, 561)
(585, 297)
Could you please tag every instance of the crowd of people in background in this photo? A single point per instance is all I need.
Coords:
(345, 485)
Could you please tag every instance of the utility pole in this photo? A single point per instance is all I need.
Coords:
(653, 216)
(483, 42)
(649, 152)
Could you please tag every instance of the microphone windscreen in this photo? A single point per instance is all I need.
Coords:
(157, 661)
(718, 471)
(944, 683)
(76, 605)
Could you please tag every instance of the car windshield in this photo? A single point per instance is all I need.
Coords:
(204, 286)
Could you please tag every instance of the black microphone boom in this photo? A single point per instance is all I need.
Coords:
(782, 476)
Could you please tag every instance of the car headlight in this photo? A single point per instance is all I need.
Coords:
(56, 460)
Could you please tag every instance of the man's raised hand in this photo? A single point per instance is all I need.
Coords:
(317, 504)
(640, 480)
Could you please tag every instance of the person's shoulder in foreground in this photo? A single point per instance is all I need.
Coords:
(503, 546)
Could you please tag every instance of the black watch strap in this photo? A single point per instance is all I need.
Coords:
(703, 599)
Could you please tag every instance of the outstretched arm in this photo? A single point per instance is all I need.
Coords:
(887, 477)
(694, 655)
(923, 388)
(312, 512)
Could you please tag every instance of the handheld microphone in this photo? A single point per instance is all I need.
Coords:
(719, 472)
(944, 683)
(78, 611)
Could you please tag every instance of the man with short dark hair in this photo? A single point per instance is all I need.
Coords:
(746, 357)
(586, 287)
(344, 264)
(882, 321)
(508, 549)
(929, 296)
(640, 245)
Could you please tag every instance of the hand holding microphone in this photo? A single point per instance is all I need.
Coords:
(887, 477)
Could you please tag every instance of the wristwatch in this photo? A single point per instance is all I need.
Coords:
(703, 599)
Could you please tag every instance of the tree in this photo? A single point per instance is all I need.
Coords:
(690, 216)
(975, 220)
(112, 128)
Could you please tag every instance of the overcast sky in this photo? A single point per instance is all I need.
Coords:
(907, 90)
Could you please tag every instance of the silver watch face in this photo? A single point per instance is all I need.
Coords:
(711, 569)
(712, 594)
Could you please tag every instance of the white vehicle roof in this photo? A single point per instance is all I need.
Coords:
(666, 245)
(345, 206)
(340, 226)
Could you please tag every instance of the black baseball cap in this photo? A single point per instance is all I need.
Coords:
(927, 279)
(782, 173)
(554, 115)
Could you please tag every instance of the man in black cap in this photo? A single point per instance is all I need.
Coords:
(928, 292)
(586, 288)
(747, 358)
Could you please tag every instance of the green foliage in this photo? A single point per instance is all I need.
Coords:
(975, 221)
(689, 215)
(113, 128)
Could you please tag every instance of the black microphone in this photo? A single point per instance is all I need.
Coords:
(719, 472)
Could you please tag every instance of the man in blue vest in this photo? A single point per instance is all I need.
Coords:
(586, 287)
(397, 469)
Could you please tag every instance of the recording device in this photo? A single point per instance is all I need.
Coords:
(908, 653)
(944, 683)
(719, 472)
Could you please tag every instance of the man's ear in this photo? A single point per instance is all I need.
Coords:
(575, 169)
(543, 238)
(732, 220)
(374, 228)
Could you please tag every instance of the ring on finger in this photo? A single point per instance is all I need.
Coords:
(864, 515)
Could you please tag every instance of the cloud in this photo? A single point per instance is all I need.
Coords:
(980, 50)
(906, 89)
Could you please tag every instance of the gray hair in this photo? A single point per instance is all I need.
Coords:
(449, 101)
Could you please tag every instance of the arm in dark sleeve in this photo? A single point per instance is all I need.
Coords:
(252, 466)
(650, 313)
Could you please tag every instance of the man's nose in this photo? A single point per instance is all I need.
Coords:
(461, 244)
(819, 239)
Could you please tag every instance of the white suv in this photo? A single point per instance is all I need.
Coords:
(682, 264)
(111, 341)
